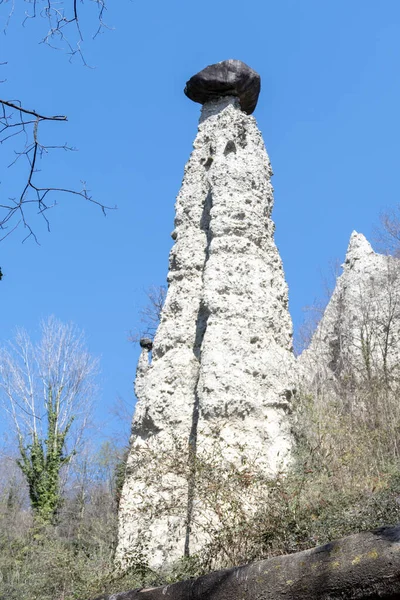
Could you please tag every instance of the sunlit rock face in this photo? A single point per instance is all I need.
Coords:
(221, 366)
(358, 337)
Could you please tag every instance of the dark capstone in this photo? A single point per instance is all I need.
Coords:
(226, 78)
(146, 343)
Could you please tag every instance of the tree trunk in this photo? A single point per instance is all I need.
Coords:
(360, 566)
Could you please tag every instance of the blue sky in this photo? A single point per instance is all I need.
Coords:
(328, 111)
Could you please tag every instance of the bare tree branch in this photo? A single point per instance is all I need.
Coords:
(47, 390)
(58, 362)
(313, 313)
(63, 22)
(150, 314)
(13, 211)
(387, 235)
(17, 122)
(18, 107)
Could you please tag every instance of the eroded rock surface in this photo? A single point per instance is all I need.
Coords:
(221, 367)
(358, 337)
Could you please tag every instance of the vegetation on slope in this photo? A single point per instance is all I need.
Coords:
(345, 479)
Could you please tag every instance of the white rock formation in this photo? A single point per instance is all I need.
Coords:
(358, 337)
(222, 362)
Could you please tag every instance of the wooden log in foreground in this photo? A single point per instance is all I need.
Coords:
(360, 566)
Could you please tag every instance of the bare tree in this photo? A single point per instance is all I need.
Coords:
(314, 312)
(13, 491)
(47, 391)
(150, 314)
(387, 234)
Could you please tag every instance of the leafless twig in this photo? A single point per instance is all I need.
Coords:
(16, 120)
(19, 123)
(63, 20)
(150, 314)
(387, 234)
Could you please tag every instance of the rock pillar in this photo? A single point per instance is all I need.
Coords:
(357, 340)
(221, 365)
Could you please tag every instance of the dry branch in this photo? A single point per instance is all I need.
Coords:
(16, 120)
(20, 124)
(63, 18)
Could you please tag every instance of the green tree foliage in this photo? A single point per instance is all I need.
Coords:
(41, 463)
(72, 558)
(47, 390)
(344, 478)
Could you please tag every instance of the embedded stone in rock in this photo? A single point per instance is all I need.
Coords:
(226, 78)
(146, 343)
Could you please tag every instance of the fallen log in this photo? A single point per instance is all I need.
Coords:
(360, 566)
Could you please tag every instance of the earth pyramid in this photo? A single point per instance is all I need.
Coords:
(358, 338)
(220, 371)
